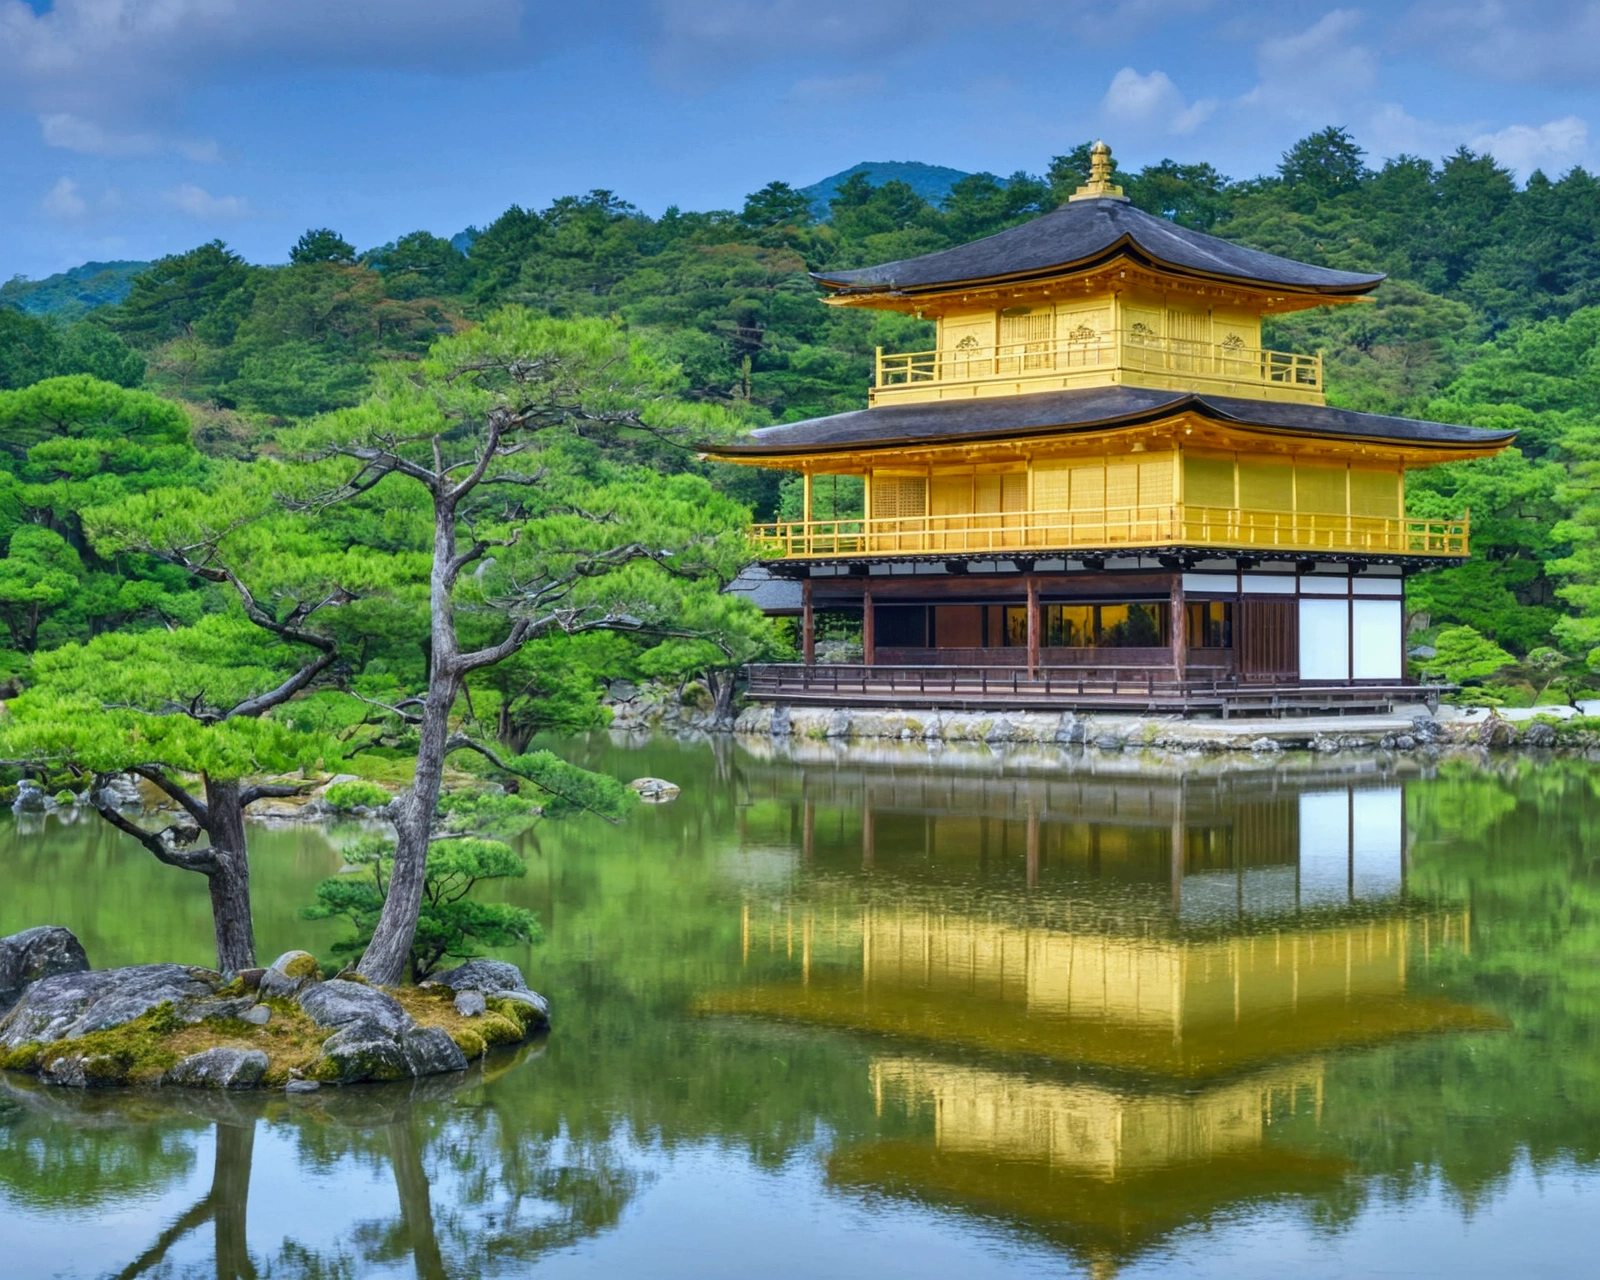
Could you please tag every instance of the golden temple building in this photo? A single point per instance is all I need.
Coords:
(1098, 488)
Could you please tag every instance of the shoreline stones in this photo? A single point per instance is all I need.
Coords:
(150, 1024)
(1405, 731)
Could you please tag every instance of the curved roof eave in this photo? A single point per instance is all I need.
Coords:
(932, 423)
(1081, 235)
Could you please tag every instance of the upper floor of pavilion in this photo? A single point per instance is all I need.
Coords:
(1097, 293)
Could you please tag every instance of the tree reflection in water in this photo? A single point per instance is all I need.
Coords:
(110, 1147)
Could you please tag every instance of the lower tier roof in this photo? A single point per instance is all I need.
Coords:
(1086, 409)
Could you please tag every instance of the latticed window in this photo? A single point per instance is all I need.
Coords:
(1029, 336)
(899, 497)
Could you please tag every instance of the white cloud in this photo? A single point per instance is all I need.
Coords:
(200, 204)
(1315, 76)
(74, 133)
(1553, 147)
(62, 201)
(1532, 42)
(104, 64)
(1153, 101)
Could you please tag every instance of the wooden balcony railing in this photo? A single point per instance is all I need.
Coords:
(1175, 359)
(1112, 529)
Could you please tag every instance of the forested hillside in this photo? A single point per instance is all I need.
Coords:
(1491, 316)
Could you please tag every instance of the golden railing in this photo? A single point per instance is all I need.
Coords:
(1135, 352)
(1113, 528)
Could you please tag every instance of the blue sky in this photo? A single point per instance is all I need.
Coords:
(132, 128)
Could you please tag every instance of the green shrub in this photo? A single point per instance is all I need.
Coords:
(451, 925)
(359, 794)
(65, 797)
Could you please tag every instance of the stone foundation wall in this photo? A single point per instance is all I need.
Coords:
(1397, 732)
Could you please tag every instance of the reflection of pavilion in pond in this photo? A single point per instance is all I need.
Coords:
(1219, 850)
(1105, 1173)
(1111, 1003)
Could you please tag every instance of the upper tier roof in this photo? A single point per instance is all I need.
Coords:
(1086, 409)
(1083, 234)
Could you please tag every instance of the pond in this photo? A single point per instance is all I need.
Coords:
(878, 1012)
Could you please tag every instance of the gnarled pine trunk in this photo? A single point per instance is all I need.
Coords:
(230, 877)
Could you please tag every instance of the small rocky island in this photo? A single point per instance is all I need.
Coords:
(282, 1027)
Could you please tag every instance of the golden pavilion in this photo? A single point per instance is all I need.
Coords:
(1098, 488)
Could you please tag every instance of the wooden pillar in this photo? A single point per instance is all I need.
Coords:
(869, 627)
(1179, 629)
(808, 622)
(1033, 626)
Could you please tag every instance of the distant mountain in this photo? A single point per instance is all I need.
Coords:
(930, 181)
(69, 294)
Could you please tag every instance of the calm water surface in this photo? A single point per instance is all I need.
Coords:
(876, 1015)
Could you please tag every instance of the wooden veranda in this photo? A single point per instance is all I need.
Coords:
(1134, 689)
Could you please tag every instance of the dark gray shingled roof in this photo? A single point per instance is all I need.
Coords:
(1083, 233)
(1090, 408)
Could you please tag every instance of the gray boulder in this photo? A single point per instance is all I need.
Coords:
(80, 1071)
(211, 1010)
(219, 1069)
(31, 798)
(430, 1051)
(533, 1000)
(364, 1050)
(338, 1003)
(37, 953)
(1540, 733)
(500, 980)
(289, 973)
(67, 1005)
(487, 976)
(471, 1004)
(118, 792)
(654, 790)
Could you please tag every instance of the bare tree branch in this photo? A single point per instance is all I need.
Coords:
(166, 844)
(157, 775)
(272, 790)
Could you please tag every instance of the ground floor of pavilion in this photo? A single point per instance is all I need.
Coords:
(1147, 633)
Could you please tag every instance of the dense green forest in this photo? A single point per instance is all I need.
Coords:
(1490, 317)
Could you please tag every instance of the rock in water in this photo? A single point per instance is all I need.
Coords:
(75, 1004)
(30, 798)
(430, 1051)
(219, 1069)
(289, 973)
(37, 953)
(363, 1050)
(655, 790)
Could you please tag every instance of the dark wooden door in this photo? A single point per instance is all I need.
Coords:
(1268, 639)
